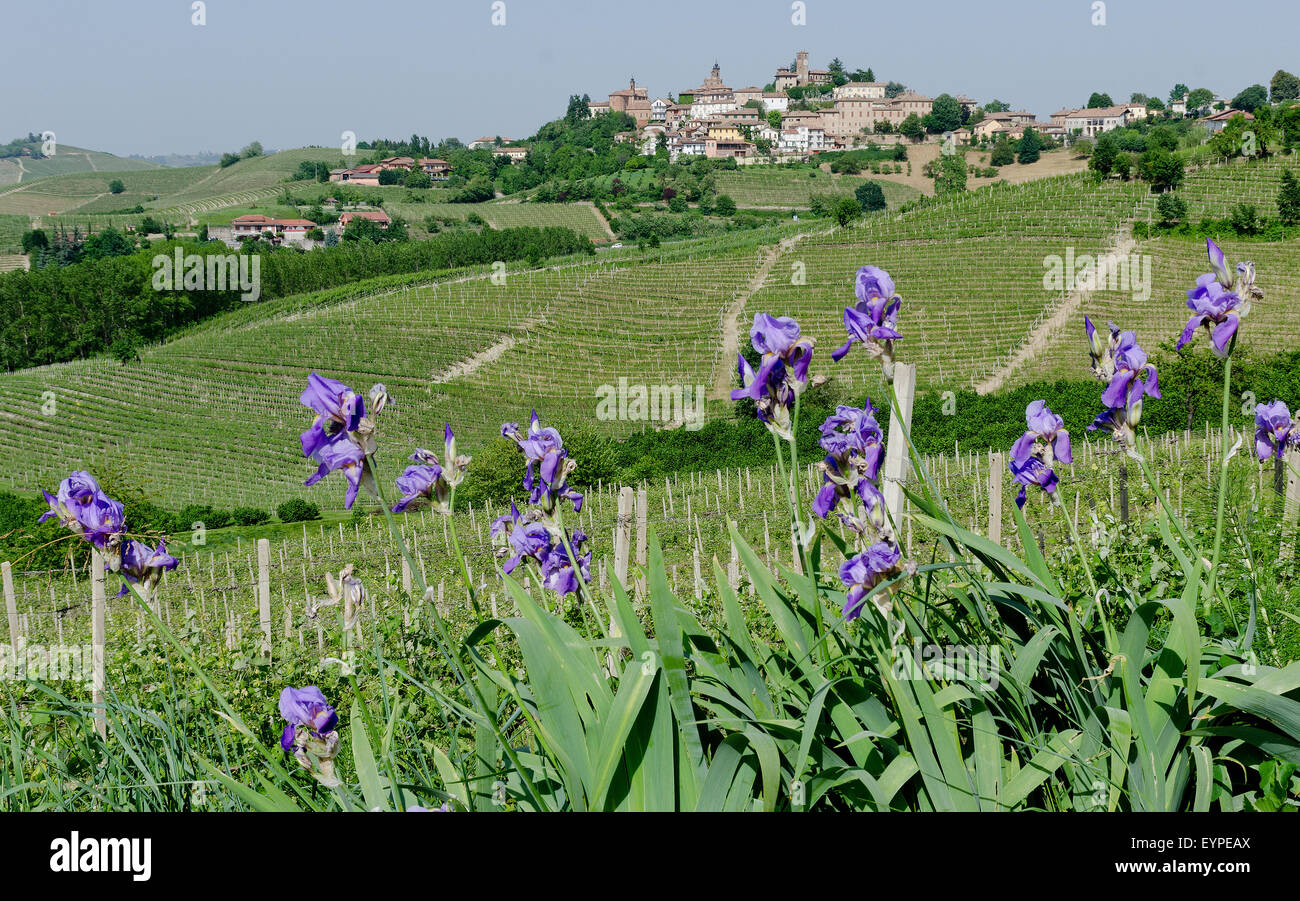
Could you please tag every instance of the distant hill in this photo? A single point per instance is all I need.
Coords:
(180, 160)
(67, 160)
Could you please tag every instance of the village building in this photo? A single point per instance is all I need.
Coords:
(377, 216)
(438, 170)
(1219, 121)
(514, 154)
(282, 229)
(860, 90)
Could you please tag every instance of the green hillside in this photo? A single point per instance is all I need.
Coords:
(67, 160)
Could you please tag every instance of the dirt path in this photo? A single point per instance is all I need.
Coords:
(732, 328)
(472, 363)
(1066, 312)
(603, 223)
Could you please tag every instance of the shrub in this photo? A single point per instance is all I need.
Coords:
(249, 516)
(1171, 208)
(297, 510)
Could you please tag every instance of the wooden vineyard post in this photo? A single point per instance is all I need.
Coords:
(11, 605)
(97, 639)
(264, 593)
(997, 462)
(897, 465)
(1291, 505)
(623, 535)
(642, 516)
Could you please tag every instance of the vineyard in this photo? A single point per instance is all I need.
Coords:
(730, 643)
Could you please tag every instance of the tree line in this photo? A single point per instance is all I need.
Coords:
(76, 311)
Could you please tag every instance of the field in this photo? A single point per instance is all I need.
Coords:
(768, 188)
(712, 661)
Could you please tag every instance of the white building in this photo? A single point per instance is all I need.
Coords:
(775, 100)
(863, 90)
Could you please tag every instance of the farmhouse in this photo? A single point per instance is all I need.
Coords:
(285, 229)
(359, 175)
(435, 169)
(860, 90)
(487, 143)
(514, 154)
(377, 216)
(1219, 121)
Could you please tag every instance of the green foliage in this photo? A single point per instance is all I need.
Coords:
(1171, 208)
(61, 313)
(1288, 199)
(950, 174)
(870, 196)
(1002, 154)
(297, 510)
(1284, 86)
(846, 210)
(249, 516)
(1029, 146)
(1099, 100)
(1251, 98)
(116, 187)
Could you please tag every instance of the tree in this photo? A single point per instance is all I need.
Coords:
(1030, 146)
(1244, 218)
(417, 179)
(1288, 199)
(725, 205)
(1284, 86)
(893, 89)
(911, 127)
(1104, 154)
(1161, 168)
(35, 240)
(997, 106)
(116, 187)
(1003, 154)
(1177, 92)
(870, 196)
(252, 150)
(1198, 98)
(950, 174)
(1099, 101)
(1251, 98)
(774, 119)
(1171, 208)
(846, 210)
(946, 112)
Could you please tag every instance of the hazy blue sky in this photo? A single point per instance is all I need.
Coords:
(135, 76)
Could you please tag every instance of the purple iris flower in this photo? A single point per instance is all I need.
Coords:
(853, 432)
(338, 411)
(852, 439)
(416, 482)
(1032, 472)
(1214, 303)
(873, 318)
(1213, 307)
(82, 506)
(777, 340)
(142, 565)
(1133, 375)
(529, 539)
(557, 569)
(342, 455)
(1046, 426)
(864, 572)
(544, 448)
(308, 708)
(1274, 430)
